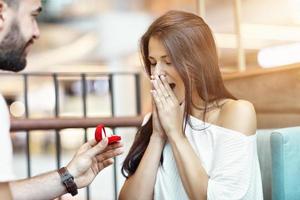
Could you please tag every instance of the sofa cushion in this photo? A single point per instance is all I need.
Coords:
(265, 162)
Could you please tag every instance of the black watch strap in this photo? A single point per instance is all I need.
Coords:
(68, 180)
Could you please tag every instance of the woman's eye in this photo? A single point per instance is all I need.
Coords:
(168, 63)
(153, 64)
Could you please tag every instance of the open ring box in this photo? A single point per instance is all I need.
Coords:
(100, 134)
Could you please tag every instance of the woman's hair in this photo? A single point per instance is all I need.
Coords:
(190, 45)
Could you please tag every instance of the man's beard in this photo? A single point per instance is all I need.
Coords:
(12, 50)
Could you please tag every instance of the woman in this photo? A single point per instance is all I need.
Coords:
(199, 142)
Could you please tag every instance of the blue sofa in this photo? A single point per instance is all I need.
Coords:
(279, 156)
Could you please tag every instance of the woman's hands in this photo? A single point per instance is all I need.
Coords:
(158, 131)
(169, 110)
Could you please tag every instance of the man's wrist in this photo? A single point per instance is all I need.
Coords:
(77, 178)
(72, 171)
(67, 180)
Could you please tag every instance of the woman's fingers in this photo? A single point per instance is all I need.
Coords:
(154, 109)
(167, 89)
(160, 86)
(157, 100)
(158, 95)
(164, 91)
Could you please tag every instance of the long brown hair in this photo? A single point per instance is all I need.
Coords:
(190, 44)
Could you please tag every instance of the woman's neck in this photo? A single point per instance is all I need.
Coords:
(198, 108)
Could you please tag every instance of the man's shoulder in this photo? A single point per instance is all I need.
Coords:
(3, 104)
(4, 114)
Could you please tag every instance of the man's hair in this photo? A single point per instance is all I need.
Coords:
(12, 3)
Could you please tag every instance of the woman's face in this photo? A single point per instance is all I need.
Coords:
(161, 65)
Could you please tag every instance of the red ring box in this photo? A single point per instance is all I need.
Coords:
(99, 135)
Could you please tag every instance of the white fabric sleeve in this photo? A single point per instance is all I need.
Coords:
(232, 167)
(6, 153)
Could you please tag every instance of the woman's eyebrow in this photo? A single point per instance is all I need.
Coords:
(165, 56)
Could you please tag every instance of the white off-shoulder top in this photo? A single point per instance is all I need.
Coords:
(228, 157)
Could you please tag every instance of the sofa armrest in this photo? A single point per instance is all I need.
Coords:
(285, 150)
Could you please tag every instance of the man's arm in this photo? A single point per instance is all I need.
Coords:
(89, 160)
(45, 186)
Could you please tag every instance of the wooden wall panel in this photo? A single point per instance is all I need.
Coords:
(274, 93)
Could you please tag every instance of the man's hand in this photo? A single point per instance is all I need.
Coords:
(90, 159)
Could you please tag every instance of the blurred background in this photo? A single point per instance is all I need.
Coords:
(86, 64)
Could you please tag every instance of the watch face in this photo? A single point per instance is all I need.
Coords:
(65, 175)
(68, 180)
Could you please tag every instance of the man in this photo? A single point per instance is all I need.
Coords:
(18, 31)
(6, 153)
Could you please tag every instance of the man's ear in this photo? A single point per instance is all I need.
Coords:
(3, 9)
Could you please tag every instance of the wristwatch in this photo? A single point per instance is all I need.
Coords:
(68, 180)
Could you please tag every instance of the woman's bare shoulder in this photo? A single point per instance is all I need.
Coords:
(238, 115)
